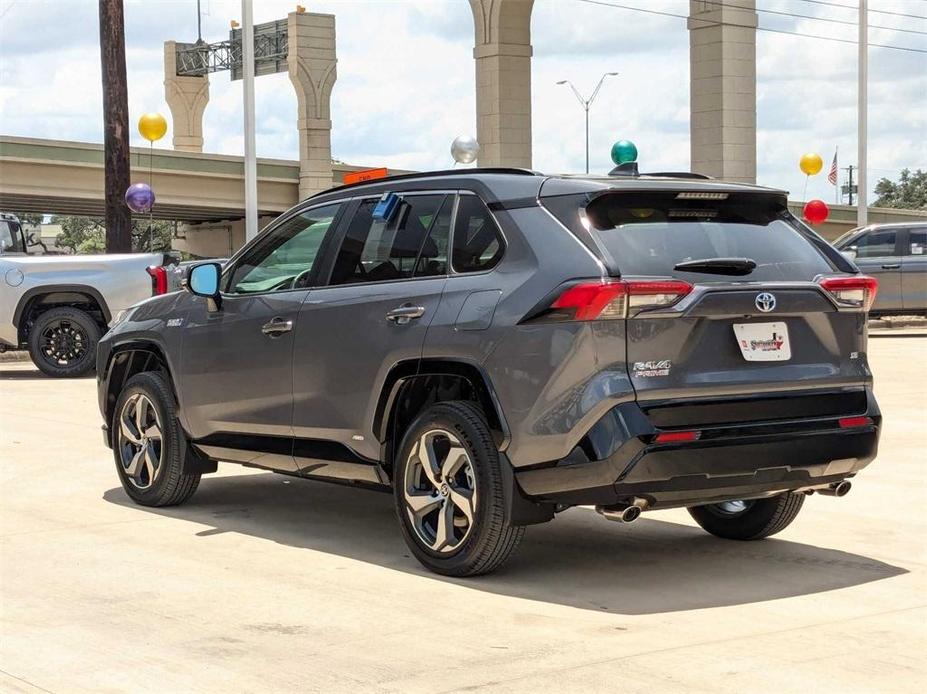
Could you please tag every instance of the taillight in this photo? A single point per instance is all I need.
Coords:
(858, 291)
(610, 299)
(854, 422)
(677, 436)
(158, 280)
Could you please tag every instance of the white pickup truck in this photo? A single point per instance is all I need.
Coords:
(58, 306)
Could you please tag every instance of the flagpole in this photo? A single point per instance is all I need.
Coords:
(837, 179)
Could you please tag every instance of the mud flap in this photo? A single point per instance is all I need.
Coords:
(520, 510)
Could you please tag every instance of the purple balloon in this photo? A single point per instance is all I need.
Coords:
(140, 197)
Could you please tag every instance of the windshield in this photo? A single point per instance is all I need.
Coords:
(845, 236)
(11, 239)
(652, 233)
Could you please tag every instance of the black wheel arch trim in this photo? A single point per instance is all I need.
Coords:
(124, 350)
(404, 372)
(26, 299)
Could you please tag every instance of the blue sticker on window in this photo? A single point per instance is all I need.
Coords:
(386, 207)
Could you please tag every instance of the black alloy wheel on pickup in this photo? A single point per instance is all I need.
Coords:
(63, 342)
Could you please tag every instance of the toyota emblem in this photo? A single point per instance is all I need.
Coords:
(765, 302)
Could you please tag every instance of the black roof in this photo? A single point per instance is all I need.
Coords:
(499, 183)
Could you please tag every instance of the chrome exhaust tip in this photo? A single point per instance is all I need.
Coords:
(837, 489)
(627, 514)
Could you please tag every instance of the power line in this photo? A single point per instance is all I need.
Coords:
(747, 26)
(818, 19)
(856, 7)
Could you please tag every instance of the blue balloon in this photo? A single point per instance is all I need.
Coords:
(140, 197)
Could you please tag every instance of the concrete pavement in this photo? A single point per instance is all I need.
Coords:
(263, 583)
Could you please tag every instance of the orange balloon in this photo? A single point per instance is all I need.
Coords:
(811, 164)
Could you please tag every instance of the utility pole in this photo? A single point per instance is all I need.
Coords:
(862, 204)
(849, 171)
(115, 127)
(247, 71)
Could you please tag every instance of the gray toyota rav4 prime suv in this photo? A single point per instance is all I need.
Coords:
(496, 345)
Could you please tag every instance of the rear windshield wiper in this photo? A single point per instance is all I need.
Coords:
(719, 266)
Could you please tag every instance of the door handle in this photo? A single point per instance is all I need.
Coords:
(893, 266)
(277, 327)
(405, 313)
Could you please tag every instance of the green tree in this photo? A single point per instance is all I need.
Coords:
(88, 234)
(30, 218)
(81, 234)
(909, 193)
(158, 239)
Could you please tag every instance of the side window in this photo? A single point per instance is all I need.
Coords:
(412, 244)
(876, 244)
(284, 259)
(10, 238)
(478, 243)
(918, 241)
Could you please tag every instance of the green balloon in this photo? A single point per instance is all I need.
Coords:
(624, 151)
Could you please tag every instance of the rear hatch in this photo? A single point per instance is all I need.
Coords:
(735, 312)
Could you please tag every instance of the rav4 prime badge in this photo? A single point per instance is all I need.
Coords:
(646, 369)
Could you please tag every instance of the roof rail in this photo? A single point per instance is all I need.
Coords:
(677, 174)
(428, 174)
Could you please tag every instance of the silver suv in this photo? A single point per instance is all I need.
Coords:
(494, 346)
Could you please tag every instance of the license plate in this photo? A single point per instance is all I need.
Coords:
(763, 341)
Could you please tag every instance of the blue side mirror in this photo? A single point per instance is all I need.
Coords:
(203, 280)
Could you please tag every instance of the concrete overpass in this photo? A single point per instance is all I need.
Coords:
(843, 218)
(207, 190)
(60, 177)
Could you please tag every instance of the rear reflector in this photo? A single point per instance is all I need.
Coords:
(676, 436)
(158, 280)
(609, 299)
(857, 291)
(853, 422)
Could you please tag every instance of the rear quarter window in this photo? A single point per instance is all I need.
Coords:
(649, 234)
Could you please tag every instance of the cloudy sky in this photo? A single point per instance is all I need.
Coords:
(406, 81)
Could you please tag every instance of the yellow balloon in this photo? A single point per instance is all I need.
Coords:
(152, 126)
(811, 163)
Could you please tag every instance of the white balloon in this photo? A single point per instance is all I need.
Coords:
(464, 149)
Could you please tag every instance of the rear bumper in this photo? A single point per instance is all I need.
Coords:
(727, 462)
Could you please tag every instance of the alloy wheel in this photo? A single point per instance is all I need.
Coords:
(731, 508)
(440, 491)
(64, 342)
(140, 441)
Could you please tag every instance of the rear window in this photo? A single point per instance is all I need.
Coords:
(651, 233)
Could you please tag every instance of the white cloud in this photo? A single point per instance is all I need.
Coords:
(406, 82)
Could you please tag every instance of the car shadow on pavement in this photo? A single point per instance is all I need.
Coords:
(22, 375)
(33, 374)
(579, 559)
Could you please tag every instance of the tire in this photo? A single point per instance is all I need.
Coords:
(466, 547)
(761, 518)
(169, 484)
(63, 342)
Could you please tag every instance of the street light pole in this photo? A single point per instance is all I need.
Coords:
(586, 103)
(862, 198)
(247, 71)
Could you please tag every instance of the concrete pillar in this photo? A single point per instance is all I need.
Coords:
(503, 81)
(187, 98)
(722, 78)
(312, 65)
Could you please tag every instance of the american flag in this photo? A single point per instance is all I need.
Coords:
(832, 174)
